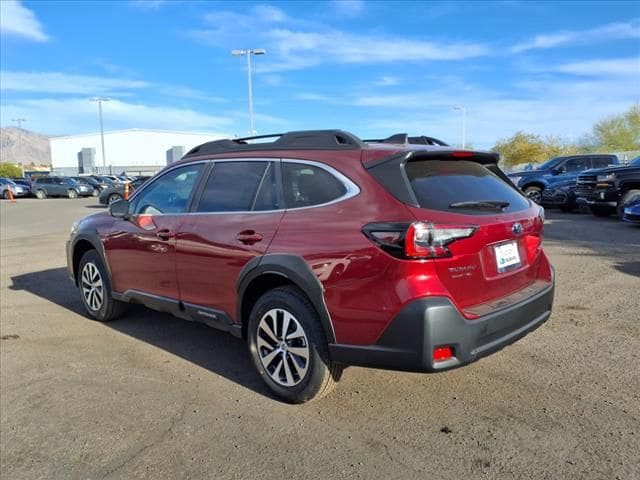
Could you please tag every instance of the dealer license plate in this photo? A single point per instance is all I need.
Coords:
(507, 256)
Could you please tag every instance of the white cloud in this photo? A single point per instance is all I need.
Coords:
(78, 115)
(17, 20)
(349, 8)
(150, 4)
(299, 49)
(269, 13)
(602, 67)
(64, 83)
(560, 107)
(611, 31)
(387, 81)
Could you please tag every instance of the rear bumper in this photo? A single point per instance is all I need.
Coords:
(425, 324)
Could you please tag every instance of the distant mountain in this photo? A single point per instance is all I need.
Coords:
(21, 146)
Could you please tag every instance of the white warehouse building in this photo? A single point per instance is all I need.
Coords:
(135, 151)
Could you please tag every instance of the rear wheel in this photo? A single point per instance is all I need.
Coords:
(288, 346)
(71, 193)
(534, 193)
(95, 289)
(627, 197)
(41, 194)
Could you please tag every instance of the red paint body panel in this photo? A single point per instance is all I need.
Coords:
(138, 259)
(210, 257)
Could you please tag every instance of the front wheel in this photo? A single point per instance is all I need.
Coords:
(288, 346)
(534, 193)
(114, 197)
(6, 195)
(95, 289)
(95, 192)
(71, 193)
(41, 194)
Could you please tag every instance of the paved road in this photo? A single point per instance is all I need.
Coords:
(155, 397)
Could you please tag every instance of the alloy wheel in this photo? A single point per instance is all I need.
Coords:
(283, 347)
(92, 286)
(535, 195)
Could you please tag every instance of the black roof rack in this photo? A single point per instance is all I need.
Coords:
(405, 139)
(309, 139)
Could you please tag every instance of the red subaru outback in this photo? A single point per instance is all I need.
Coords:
(323, 250)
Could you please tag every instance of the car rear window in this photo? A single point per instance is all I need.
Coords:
(441, 184)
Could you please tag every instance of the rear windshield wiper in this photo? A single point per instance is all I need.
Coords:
(481, 205)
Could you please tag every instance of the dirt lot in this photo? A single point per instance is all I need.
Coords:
(153, 396)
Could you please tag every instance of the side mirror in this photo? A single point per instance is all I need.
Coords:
(119, 209)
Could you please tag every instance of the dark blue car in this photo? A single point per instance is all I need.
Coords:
(631, 212)
(558, 171)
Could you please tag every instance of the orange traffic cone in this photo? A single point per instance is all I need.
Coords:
(126, 191)
(11, 199)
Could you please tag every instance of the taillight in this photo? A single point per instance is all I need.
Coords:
(426, 240)
(416, 240)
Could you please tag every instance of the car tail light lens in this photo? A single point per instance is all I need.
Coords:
(426, 240)
(416, 240)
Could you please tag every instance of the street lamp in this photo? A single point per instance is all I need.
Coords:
(19, 122)
(464, 122)
(100, 100)
(248, 53)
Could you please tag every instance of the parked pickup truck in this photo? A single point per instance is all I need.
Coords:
(558, 170)
(608, 190)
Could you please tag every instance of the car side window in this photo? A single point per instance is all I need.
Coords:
(170, 193)
(242, 186)
(601, 162)
(576, 164)
(306, 185)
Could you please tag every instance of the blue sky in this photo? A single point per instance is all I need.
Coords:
(374, 68)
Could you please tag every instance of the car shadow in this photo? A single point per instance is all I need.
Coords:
(102, 207)
(213, 350)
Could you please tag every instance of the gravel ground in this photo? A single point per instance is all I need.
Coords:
(155, 397)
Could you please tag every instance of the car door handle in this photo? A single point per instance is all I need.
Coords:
(249, 237)
(165, 234)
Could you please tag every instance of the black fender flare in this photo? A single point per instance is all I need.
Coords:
(93, 237)
(295, 269)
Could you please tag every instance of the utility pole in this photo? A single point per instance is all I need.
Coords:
(248, 53)
(100, 100)
(19, 122)
(464, 123)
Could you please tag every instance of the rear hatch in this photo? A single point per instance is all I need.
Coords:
(499, 231)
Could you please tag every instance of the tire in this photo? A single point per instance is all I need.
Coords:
(94, 287)
(114, 197)
(95, 193)
(287, 374)
(600, 211)
(626, 198)
(71, 193)
(41, 194)
(534, 193)
(6, 195)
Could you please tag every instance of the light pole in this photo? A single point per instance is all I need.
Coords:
(248, 52)
(100, 100)
(19, 122)
(464, 122)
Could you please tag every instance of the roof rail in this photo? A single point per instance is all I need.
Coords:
(309, 139)
(405, 139)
